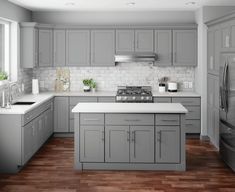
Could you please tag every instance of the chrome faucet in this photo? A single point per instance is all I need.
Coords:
(10, 94)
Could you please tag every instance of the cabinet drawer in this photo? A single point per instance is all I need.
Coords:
(162, 100)
(91, 119)
(193, 126)
(129, 119)
(76, 100)
(106, 99)
(194, 112)
(187, 101)
(167, 119)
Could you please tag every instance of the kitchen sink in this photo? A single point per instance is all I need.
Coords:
(23, 103)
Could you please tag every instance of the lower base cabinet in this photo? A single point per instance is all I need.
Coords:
(92, 143)
(129, 144)
(167, 144)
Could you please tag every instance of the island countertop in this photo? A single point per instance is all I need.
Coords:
(129, 108)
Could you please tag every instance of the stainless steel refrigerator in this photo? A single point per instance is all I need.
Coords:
(227, 109)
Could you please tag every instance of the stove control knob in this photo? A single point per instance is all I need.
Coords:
(134, 98)
(142, 98)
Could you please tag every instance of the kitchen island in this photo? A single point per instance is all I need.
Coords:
(130, 136)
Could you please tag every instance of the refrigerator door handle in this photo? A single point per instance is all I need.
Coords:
(222, 88)
(226, 88)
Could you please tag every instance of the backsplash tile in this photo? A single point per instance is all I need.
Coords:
(108, 78)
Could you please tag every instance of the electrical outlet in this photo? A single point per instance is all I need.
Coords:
(186, 84)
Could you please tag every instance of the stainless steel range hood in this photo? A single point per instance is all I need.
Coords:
(135, 57)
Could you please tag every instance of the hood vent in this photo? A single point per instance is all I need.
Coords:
(136, 57)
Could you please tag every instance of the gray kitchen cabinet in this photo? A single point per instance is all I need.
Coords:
(214, 48)
(27, 137)
(163, 47)
(92, 143)
(213, 108)
(228, 35)
(144, 41)
(193, 117)
(125, 41)
(29, 45)
(167, 144)
(61, 114)
(106, 99)
(38, 138)
(102, 47)
(142, 144)
(59, 47)
(184, 47)
(78, 48)
(162, 99)
(117, 144)
(45, 47)
(48, 123)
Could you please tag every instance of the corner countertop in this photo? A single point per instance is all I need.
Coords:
(129, 108)
(44, 96)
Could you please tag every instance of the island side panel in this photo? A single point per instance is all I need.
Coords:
(182, 140)
(78, 165)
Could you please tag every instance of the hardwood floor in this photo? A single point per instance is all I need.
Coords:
(51, 170)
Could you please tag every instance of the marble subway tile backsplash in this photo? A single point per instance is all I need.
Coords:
(108, 78)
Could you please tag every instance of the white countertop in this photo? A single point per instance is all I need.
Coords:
(129, 108)
(22, 109)
(44, 96)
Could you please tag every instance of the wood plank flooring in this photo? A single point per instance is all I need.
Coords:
(51, 170)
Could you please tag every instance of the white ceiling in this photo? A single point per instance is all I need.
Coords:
(118, 5)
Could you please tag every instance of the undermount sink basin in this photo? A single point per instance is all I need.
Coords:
(23, 103)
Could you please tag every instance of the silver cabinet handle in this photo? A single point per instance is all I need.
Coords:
(133, 136)
(159, 136)
(102, 136)
(91, 119)
(128, 120)
(128, 136)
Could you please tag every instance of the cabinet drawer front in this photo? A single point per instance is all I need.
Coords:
(193, 126)
(129, 119)
(106, 99)
(167, 119)
(187, 101)
(162, 100)
(193, 112)
(76, 100)
(91, 119)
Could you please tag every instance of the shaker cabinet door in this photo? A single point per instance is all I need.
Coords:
(117, 141)
(61, 114)
(125, 41)
(142, 144)
(59, 48)
(92, 143)
(102, 47)
(184, 47)
(163, 47)
(144, 41)
(167, 144)
(78, 48)
(45, 47)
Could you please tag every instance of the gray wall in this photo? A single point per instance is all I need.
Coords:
(214, 12)
(134, 17)
(13, 12)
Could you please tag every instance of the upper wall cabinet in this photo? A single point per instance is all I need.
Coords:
(59, 48)
(102, 48)
(29, 45)
(214, 48)
(78, 48)
(184, 47)
(125, 41)
(144, 41)
(163, 47)
(45, 47)
(228, 36)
